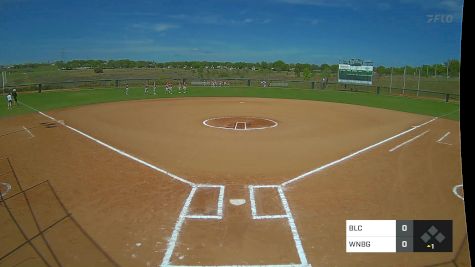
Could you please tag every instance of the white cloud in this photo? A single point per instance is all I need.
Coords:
(161, 27)
(215, 19)
(328, 3)
(156, 27)
(443, 5)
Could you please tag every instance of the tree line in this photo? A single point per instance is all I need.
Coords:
(300, 69)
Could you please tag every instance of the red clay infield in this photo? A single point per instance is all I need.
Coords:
(132, 211)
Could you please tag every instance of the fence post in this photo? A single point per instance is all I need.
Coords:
(377, 90)
(447, 96)
(313, 85)
(117, 83)
(249, 82)
(39, 88)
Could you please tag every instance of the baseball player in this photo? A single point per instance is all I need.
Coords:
(154, 88)
(127, 89)
(146, 89)
(15, 96)
(183, 87)
(9, 100)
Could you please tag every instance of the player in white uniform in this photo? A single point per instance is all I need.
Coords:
(9, 100)
(126, 89)
(154, 88)
(183, 87)
(146, 89)
(169, 87)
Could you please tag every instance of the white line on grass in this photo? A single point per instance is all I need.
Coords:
(125, 154)
(407, 142)
(29, 132)
(355, 153)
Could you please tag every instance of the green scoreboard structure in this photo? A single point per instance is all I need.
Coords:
(355, 72)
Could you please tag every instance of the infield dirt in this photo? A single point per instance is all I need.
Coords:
(130, 210)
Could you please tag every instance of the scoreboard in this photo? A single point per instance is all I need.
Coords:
(398, 236)
(355, 74)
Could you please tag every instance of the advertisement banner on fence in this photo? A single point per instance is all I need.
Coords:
(355, 74)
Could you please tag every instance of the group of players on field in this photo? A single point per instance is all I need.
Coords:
(168, 88)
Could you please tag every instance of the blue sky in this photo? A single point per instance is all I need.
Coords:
(396, 32)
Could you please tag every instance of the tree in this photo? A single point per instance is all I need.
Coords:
(307, 73)
(280, 65)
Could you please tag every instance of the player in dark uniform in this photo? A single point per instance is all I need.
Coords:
(15, 96)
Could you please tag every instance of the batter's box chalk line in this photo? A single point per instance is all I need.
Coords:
(219, 206)
(184, 215)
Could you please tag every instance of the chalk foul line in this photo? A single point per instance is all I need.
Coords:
(354, 154)
(125, 154)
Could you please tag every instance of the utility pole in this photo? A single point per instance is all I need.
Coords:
(404, 78)
(448, 62)
(4, 77)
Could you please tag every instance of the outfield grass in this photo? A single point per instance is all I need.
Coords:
(62, 99)
(50, 74)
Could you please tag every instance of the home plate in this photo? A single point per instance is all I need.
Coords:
(237, 201)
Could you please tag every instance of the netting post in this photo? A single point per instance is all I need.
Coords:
(377, 90)
(249, 83)
(39, 88)
(447, 97)
(313, 85)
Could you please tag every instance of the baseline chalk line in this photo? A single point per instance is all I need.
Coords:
(440, 141)
(408, 141)
(125, 154)
(28, 131)
(355, 153)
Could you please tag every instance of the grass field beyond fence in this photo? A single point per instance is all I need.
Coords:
(49, 100)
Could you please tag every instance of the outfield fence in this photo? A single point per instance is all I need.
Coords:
(236, 82)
